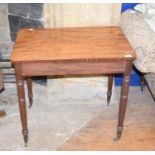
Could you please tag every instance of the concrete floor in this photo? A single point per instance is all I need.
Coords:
(139, 127)
(75, 124)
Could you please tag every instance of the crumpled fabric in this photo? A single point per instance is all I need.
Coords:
(141, 38)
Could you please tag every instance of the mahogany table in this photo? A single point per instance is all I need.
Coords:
(72, 51)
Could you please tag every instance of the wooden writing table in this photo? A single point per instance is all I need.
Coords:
(71, 51)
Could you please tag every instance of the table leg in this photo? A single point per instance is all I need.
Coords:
(123, 100)
(21, 101)
(109, 92)
(29, 88)
(142, 82)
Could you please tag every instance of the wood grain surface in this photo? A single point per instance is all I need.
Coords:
(85, 43)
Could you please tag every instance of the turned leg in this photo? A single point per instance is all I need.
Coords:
(109, 92)
(123, 100)
(29, 88)
(21, 101)
(142, 82)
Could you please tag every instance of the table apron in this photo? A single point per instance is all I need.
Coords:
(71, 68)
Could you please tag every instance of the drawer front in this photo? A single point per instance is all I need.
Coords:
(72, 68)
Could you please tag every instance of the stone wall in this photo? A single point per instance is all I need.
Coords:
(13, 17)
(24, 16)
(5, 43)
(81, 14)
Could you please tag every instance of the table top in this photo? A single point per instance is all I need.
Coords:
(69, 44)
